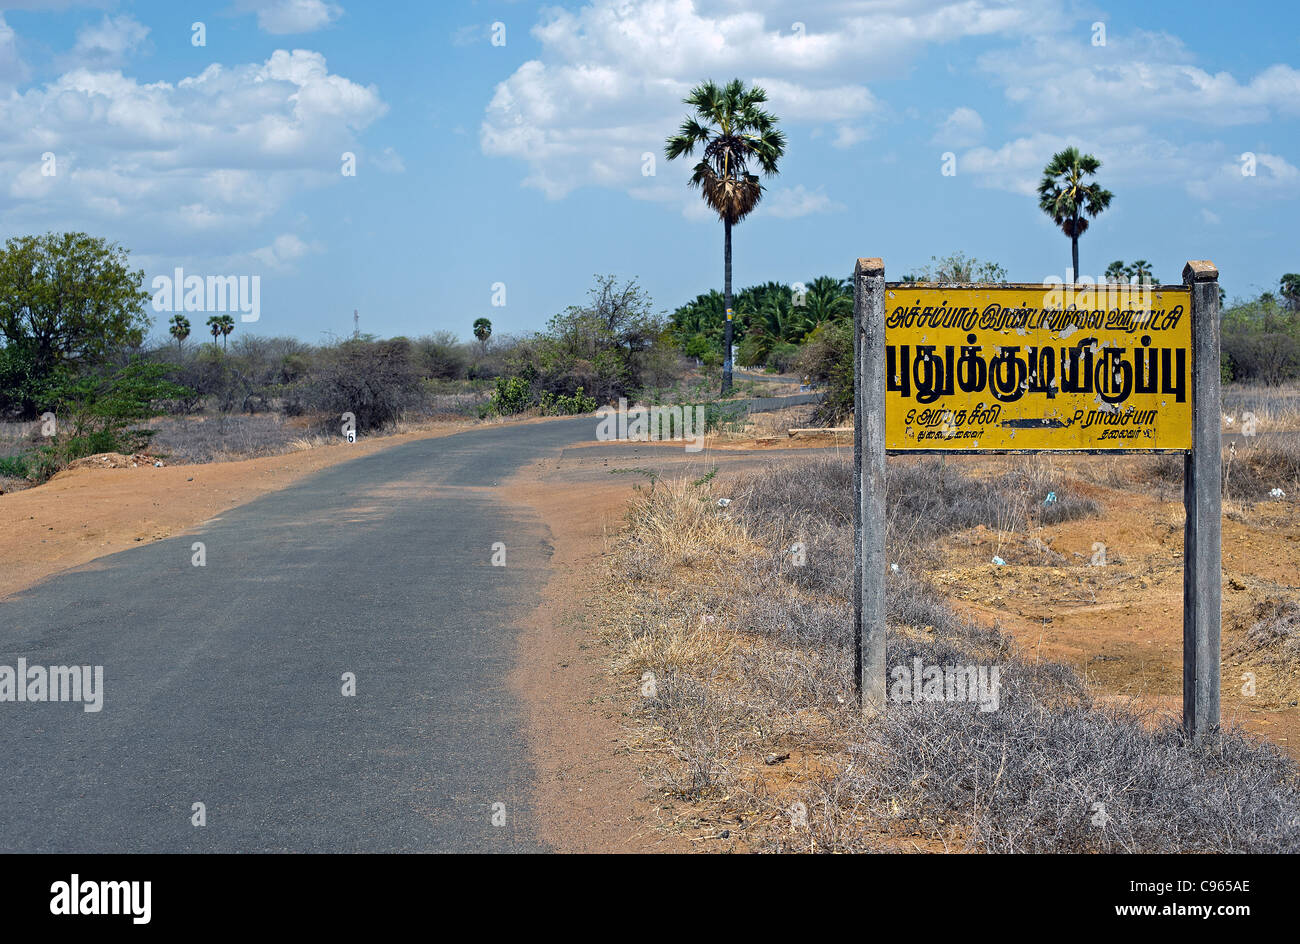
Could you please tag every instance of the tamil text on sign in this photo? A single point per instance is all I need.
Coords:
(1035, 367)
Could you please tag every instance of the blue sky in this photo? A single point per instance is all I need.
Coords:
(521, 163)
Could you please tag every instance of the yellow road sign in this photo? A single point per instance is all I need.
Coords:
(1034, 367)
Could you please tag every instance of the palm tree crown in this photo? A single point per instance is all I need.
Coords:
(1068, 199)
(734, 132)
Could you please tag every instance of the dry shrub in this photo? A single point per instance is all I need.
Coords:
(751, 657)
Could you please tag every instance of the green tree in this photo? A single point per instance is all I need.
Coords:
(66, 300)
(482, 331)
(958, 268)
(98, 409)
(1290, 288)
(732, 131)
(1067, 198)
(180, 330)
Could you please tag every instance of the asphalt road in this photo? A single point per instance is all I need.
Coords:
(223, 684)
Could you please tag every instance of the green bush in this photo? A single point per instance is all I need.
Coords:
(561, 405)
(512, 395)
(95, 413)
(15, 467)
(828, 358)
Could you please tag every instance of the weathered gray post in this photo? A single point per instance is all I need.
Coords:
(869, 477)
(1202, 494)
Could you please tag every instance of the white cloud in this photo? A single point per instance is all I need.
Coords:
(284, 250)
(174, 164)
(1273, 178)
(108, 43)
(12, 68)
(1129, 154)
(962, 128)
(292, 16)
(847, 135)
(1132, 157)
(798, 201)
(608, 83)
(1142, 76)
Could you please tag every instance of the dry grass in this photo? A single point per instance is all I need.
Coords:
(1269, 639)
(734, 624)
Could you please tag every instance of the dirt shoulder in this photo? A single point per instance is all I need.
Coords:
(85, 513)
(590, 795)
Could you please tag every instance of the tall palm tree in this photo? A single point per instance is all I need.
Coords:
(733, 131)
(482, 331)
(1066, 198)
(180, 330)
(220, 326)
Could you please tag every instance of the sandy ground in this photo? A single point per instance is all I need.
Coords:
(1120, 625)
(590, 795)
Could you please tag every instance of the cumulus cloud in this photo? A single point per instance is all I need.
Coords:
(12, 68)
(1132, 156)
(611, 75)
(1248, 178)
(389, 161)
(108, 43)
(1143, 76)
(1136, 96)
(210, 154)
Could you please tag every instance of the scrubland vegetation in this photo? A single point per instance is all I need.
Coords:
(744, 662)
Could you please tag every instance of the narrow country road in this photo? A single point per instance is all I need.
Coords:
(224, 683)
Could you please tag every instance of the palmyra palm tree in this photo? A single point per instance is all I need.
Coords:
(1066, 198)
(180, 330)
(220, 326)
(733, 131)
(1140, 272)
(482, 331)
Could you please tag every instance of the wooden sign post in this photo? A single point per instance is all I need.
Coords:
(1041, 368)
